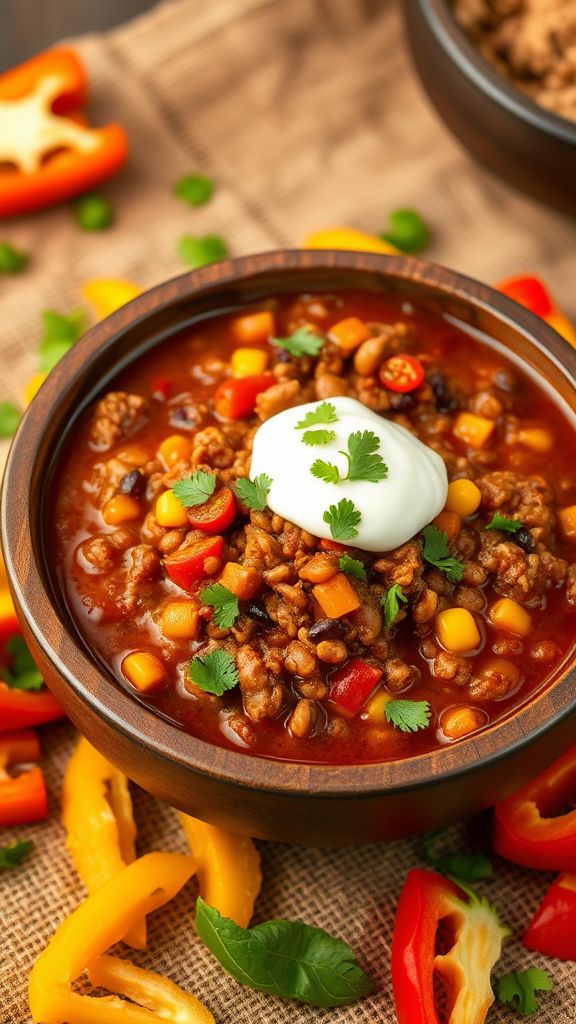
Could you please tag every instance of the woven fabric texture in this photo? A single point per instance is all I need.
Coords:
(307, 113)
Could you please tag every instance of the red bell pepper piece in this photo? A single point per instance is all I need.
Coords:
(429, 903)
(216, 514)
(529, 828)
(56, 155)
(188, 565)
(161, 388)
(532, 293)
(237, 396)
(552, 930)
(21, 709)
(23, 798)
(352, 684)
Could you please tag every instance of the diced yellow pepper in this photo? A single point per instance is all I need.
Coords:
(248, 362)
(457, 631)
(375, 710)
(107, 294)
(538, 438)
(170, 511)
(348, 238)
(33, 386)
(175, 448)
(180, 620)
(510, 616)
(464, 497)
(567, 521)
(473, 430)
(145, 671)
(228, 868)
(461, 721)
(121, 509)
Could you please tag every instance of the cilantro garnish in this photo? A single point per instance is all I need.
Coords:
(254, 493)
(313, 437)
(408, 715)
(194, 189)
(391, 603)
(10, 416)
(470, 867)
(323, 413)
(215, 672)
(12, 260)
(325, 471)
(520, 987)
(343, 519)
(200, 251)
(302, 342)
(224, 603)
(196, 489)
(12, 856)
(500, 522)
(352, 566)
(437, 552)
(61, 332)
(24, 674)
(363, 461)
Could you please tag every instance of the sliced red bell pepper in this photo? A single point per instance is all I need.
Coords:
(352, 684)
(188, 565)
(431, 905)
(21, 709)
(552, 930)
(237, 396)
(55, 154)
(23, 797)
(216, 514)
(530, 828)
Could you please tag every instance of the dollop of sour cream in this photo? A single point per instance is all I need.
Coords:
(392, 510)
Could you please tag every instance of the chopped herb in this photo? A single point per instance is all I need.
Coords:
(254, 493)
(93, 212)
(289, 959)
(499, 522)
(363, 463)
(199, 252)
(10, 417)
(325, 471)
(520, 987)
(302, 342)
(24, 674)
(470, 867)
(343, 519)
(391, 603)
(196, 489)
(408, 232)
(61, 332)
(215, 672)
(323, 413)
(408, 715)
(224, 603)
(352, 566)
(12, 260)
(313, 437)
(436, 551)
(12, 856)
(194, 189)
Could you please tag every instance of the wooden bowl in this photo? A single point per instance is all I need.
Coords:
(300, 803)
(523, 143)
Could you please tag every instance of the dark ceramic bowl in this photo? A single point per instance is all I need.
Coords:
(527, 146)
(307, 804)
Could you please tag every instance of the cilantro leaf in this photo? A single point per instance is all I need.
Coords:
(196, 489)
(408, 715)
(437, 552)
(215, 672)
(500, 522)
(302, 342)
(254, 493)
(470, 867)
(325, 471)
(520, 987)
(61, 332)
(12, 856)
(200, 251)
(194, 189)
(352, 566)
(343, 519)
(312, 437)
(10, 417)
(363, 462)
(224, 603)
(24, 674)
(289, 959)
(391, 603)
(12, 260)
(323, 413)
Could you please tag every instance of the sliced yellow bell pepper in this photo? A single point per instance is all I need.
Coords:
(348, 238)
(107, 294)
(33, 385)
(228, 868)
(99, 922)
(97, 816)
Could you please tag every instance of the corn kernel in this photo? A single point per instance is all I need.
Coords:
(248, 362)
(175, 448)
(537, 438)
(145, 671)
(449, 522)
(460, 721)
(463, 498)
(254, 327)
(567, 521)
(457, 631)
(510, 616)
(121, 509)
(170, 511)
(474, 430)
(375, 710)
(180, 620)
(349, 333)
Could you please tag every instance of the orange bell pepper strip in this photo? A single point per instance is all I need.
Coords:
(228, 868)
(53, 155)
(532, 293)
(97, 816)
(23, 798)
(99, 922)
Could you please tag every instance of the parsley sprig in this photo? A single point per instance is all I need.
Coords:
(224, 603)
(302, 342)
(254, 493)
(11, 856)
(323, 413)
(215, 672)
(500, 522)
(470, 867)
(391, 603)
(364, 462)
(352, 566)
(520, 987)
(196, 489)
(436, 551)
(24, 674)
(408, 715)
(343, 519)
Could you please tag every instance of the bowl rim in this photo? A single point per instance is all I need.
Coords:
(461, 50)
(126, 713)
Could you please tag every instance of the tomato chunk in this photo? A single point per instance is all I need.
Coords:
(402, 373)
(352, 684)
(188, 565)
(236, 397)
(162, 388)
(216, 514)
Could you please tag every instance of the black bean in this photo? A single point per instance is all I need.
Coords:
(327, 629)
(186, 417)
(255, 611)
(524, 539)
(133, 483)
(445, 400)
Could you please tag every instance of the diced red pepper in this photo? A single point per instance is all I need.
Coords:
(161, 388)
(530, 828)
(188, 565)
(352, 684)
(23, 798)
(21, 709)
(552, 930)
(216, 514)
(402, 373)
(529, 292)
(9, 627)
(236, 397)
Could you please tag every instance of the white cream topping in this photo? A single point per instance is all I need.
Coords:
(392, 510)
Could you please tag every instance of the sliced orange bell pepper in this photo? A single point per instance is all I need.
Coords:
(531, 292)
(97, 816)
(228, 868)
(348, 238)
(23, 798)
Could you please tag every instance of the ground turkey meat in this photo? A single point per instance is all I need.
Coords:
(117, 415)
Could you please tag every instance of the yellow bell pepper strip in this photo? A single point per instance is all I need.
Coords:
(107, 294)
(158, 994)
(532, 293)
(97, 816)
(33, 385)
(228, 869)
(349, 238)
(98, 923)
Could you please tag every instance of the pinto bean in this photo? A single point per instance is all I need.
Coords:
(332, 651)
(300, 660)
(370, 354)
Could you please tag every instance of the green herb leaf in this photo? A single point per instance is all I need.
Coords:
(61, 332)
(194, 189)
(199, 252)
(470, 867)
(12, 856)
(343, 519)
(352, 566)
(12, 260)
(52, 353)
(408, 715)
(313, 437)
(254, 493)
(520, 987)
(499, 522)
(363, 463)
(284, 958)
(215, 672)
(24, 674)
(10, 416)
(323, 413)
(391, 603)
(408, 232)
(325, 471)
(93, 212)
(302, 342)
(436, 551)
(196, 489)
(224, 603)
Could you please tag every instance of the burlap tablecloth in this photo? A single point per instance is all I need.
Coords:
(306, 113)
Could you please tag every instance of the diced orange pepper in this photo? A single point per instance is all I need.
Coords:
(337, 596)
(448, 521)
(253, 327)
(228, 868)
(473, 430)
(349, 333)
(180, 620)
(23, 798)
(567, 521)
(243, 580)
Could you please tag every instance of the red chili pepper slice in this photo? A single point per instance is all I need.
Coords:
(552, 930)
(402, 373)
(237, 396)
(216, 514)
(529, 292)
(352, 684)
(161, 388)
(23, 798)
(196, 562)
